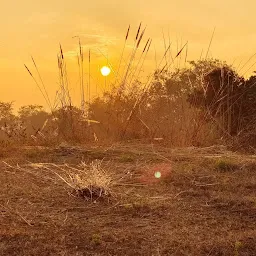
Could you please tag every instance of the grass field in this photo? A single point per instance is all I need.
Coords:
(204, 203)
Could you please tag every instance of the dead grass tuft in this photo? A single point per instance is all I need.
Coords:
(89, 181)
(92, 181)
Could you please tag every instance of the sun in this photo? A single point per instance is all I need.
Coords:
(105, 71)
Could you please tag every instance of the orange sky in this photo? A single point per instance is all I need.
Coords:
(37, 27)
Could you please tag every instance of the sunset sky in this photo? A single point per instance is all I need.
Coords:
(37, 27)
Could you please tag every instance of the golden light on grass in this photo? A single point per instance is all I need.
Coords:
(105, 70)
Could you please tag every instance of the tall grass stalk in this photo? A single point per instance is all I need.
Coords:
(209, 46)
(140, 98)
(138, 70)
(43, 85)
(39, 87)
(122, 53)
(137, 44)
(142, 57)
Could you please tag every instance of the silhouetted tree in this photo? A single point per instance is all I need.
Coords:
(6, 111)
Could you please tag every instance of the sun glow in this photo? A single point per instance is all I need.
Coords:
(105, 71)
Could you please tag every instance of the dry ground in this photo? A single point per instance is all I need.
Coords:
(206, 205)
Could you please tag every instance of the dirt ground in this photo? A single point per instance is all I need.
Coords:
(204, 203)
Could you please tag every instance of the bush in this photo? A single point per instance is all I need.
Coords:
(230, 100)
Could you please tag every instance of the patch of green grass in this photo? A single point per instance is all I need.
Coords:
(225, 165)
(238, 246)
(137, 208)
(32, 154)
(96, 239)
(96, 154)
(37, 154)
(126, 158)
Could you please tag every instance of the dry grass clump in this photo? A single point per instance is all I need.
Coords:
(89, 181)
(92, 181)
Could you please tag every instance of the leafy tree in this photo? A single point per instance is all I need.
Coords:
(33, 118)
(226, 96)
(9, 125)
(212, 86)
(6, 111)
(70, 123)
(30, 110)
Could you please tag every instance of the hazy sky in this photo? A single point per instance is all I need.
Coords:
(37, 27)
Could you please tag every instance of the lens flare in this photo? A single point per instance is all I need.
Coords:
(158, 175)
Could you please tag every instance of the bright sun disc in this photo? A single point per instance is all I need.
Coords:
(105, 71)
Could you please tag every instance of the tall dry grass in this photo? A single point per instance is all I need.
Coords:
(158, 109)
